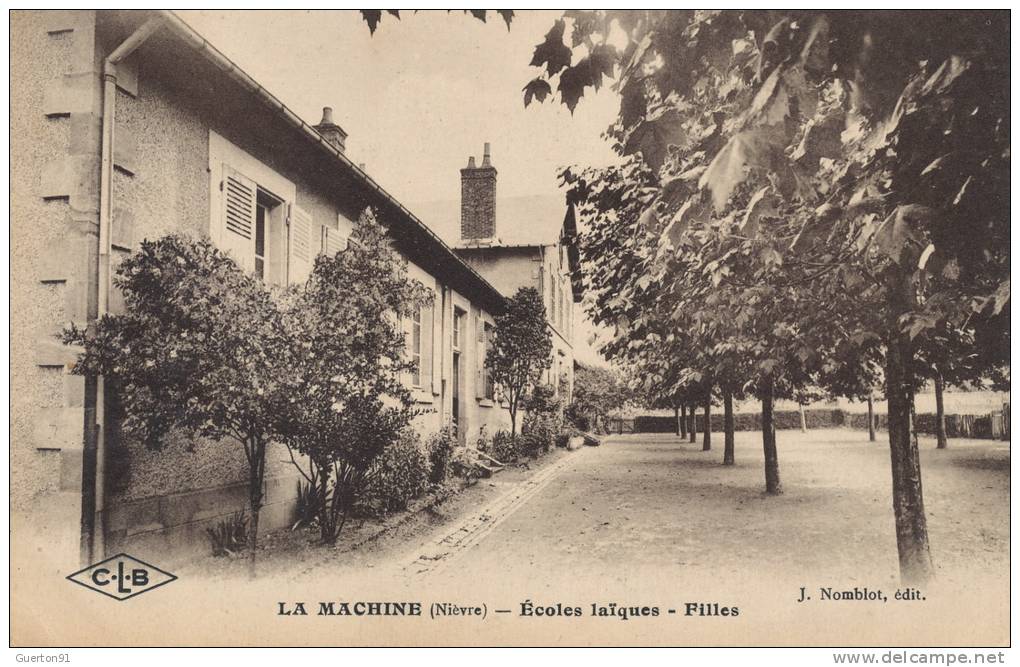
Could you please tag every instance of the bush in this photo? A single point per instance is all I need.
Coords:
(538, 434)
(440, 449)
(309, 503)
(505, 447)
(230, 535)
(542, 423)
(575, 414)
(401, 474)
(483, 443)
(462, 464)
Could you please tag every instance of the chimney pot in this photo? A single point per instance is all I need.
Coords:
(471, 162)
(486, 162)
(330, 131)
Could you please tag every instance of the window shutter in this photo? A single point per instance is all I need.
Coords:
(237, 233)
(480, 357)
(439, 325)
(407, 377)
(332, 241)
(300, 255)
(427, 315)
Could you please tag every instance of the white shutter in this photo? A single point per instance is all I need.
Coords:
(427, 330)
(300, 255)
(332, 241)
(480, 357)
(237, 232)
(440, 320)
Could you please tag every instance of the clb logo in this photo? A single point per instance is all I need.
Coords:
(121, 577)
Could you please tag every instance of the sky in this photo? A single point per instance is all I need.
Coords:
(420, 96)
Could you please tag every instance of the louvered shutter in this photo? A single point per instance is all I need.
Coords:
(406, 326)
(440, 319)
(237, 233)
(426, 346)
(480, 357)
(300, 252)
(332, 241)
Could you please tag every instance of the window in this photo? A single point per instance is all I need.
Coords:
(458, 324)
(416, 347)
(487, 386)
(269, 249)
(565, 310)
(261, 247)
(254, 217)
(552, 299)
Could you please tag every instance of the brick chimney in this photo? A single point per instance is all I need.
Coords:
(478, 199)
(332, 132)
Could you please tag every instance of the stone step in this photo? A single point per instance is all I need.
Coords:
(487, 470)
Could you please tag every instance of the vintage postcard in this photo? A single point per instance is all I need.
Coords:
(485, 328)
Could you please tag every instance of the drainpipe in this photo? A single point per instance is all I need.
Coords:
(93, 524)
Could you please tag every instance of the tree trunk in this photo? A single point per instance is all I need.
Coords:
(255, 450)
(692, 423)
(683, 420)
(940, 412)
(513, 420)
(676, 414)
(803, 418)
(871, 418)
(913, 419)
(728, 440)
(768, 436)
(706, 437)
(908, 501)
(254, 506)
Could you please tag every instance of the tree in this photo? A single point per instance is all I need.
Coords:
(521, 348)
(888, 174)
(374, 16)
(198, 350)
(597, 392)
(346, 362)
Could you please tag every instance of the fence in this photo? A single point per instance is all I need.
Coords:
(991, 426)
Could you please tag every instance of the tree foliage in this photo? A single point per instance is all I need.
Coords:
(521, 349)
(346, 399)
(198, 350)
(374, 16)
(804, 198)
(597, 393)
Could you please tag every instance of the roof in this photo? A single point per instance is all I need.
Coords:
(522, 221)
(414, 238)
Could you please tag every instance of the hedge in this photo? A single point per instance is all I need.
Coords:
(746, 421)
(957, 426)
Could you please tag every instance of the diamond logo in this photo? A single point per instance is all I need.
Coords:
(121, 577)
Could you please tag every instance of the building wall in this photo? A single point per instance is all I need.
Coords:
(55, 106)
(158, 503)
(510, 268)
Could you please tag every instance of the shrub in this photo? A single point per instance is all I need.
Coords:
(440, 450)
(575, 414)
(401, 474)
(483, 443)
(462, 464)
(543, 400)
(505, 447)
(538, 433)
(229, 535)
(542, 423)
(309, 503)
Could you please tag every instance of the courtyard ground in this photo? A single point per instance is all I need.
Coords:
(645, 521)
